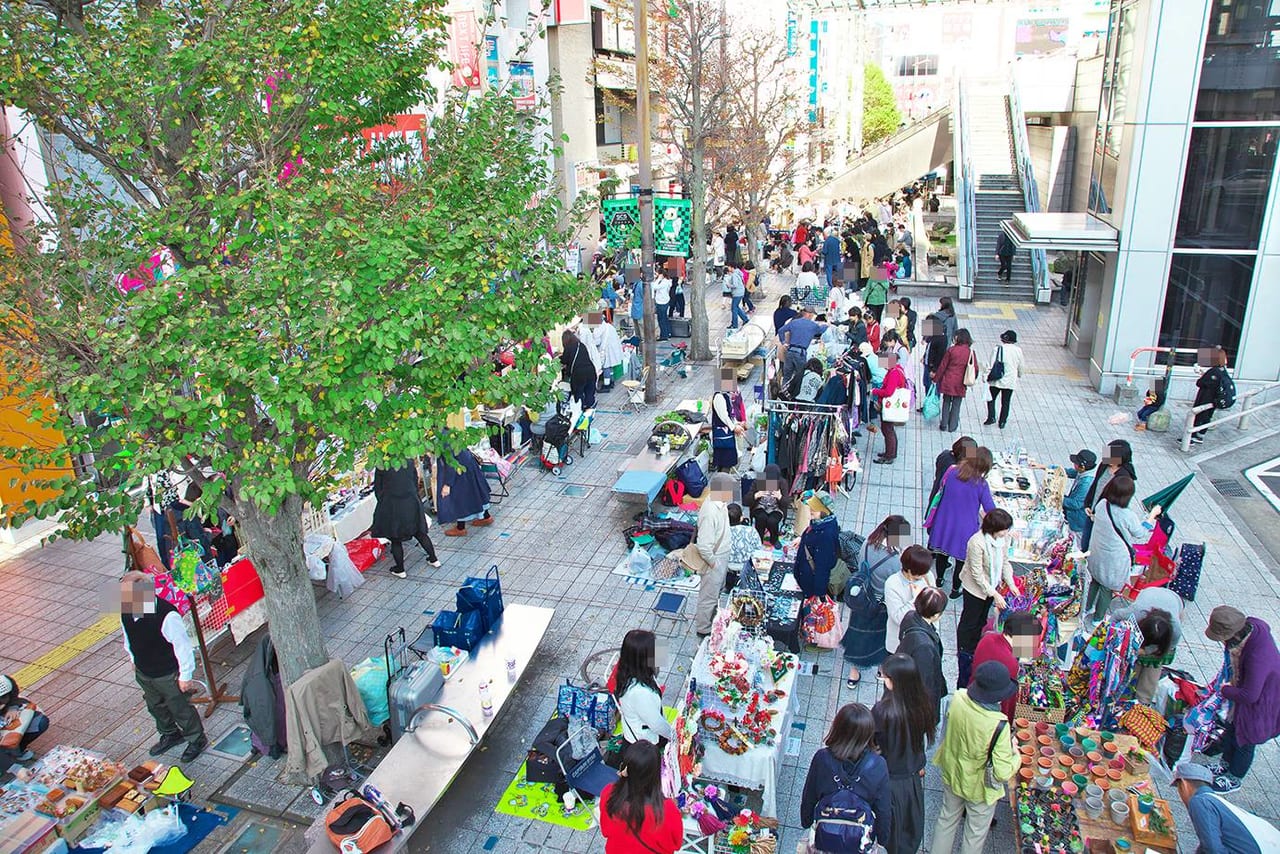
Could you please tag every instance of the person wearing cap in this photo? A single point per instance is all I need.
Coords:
(1083, 463)
(21, 722)
(1016, 642)
(1253, 689)
(1221, 827)
(975, 728)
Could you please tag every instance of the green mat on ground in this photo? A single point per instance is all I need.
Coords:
(538, 802)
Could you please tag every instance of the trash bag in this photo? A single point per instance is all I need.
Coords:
(370, 677)
(343, 575)
(639, 563)
(932, 406)
(314, 546)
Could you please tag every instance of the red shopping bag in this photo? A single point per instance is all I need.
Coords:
(366, 552)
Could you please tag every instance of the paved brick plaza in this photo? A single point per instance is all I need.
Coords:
(557, 548)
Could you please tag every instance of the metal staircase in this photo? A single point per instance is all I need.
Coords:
(998, 193)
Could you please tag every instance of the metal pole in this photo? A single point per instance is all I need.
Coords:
(643, 152)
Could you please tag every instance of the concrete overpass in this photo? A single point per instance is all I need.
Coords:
(894, 162)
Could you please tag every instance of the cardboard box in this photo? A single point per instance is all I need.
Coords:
(28, 834)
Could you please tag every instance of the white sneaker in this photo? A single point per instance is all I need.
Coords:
(399, 573)
(434, 563)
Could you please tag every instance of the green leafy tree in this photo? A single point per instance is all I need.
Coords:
(328, 301)
(880, 115)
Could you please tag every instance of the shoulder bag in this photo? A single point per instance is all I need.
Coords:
(937, 499)
(997, 367)
(989, 778)
(1110, 517)
(971, 370)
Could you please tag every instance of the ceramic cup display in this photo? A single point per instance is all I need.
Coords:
(1120, 813)
(1115, 796)
(1093, 791)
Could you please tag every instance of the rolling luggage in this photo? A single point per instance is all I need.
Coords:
(409, 685)
(680, 327)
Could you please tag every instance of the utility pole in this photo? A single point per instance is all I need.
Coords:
(643, 151)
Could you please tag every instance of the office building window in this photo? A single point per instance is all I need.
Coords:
(1224, 193)
(608, 119)
(919, 65)
(1240, 75)
(1205, 302)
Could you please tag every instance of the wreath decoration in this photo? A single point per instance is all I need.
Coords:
(748, 610)
(732, 743)
(712, 721)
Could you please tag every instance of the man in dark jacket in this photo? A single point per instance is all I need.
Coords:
(935, 342)
(164, 664)
(1004, 254)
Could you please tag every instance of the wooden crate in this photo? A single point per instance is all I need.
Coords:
(1035, 713)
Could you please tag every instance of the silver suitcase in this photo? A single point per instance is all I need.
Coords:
(410, 685)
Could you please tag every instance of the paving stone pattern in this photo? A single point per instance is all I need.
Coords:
(556, 547)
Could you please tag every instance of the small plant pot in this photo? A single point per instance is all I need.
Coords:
(1120, 813)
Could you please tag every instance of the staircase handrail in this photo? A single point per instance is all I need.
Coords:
(966, 224)
(1030, 189)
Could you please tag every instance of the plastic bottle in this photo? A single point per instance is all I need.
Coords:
(486, 699)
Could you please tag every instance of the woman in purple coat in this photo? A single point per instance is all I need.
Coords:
(963, 498)
(1254, 690)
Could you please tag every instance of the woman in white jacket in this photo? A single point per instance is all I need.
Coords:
(609, 346)
(639, 697)
(1008, 354)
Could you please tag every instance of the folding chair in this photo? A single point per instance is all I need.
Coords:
(635, 390)
(669, 606)
(589, 775)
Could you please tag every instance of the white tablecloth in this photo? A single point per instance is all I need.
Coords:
(355, 518)
(758, 767)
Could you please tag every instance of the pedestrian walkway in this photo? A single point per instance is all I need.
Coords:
(556, 541)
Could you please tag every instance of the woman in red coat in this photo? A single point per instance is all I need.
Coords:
(950, 379)
(895, 379)
(635, 818)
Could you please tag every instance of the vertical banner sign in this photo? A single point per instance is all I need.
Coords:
(672, 222)
(491, 61)
(621, 222)
(464, 49)
(813, 71)
(792, 23)
(522, 85)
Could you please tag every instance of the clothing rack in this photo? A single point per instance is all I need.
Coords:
(800, 439)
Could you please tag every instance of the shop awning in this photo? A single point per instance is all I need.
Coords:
(1061, 231)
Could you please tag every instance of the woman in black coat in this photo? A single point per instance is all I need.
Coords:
(398, 514)
(1208, 388)
(578, 370)
(919, 639)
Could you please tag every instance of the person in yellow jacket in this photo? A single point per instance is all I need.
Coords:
(975, 729)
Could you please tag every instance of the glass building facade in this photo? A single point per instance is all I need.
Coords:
(1227, 182)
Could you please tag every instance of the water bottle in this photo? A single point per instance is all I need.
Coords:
(486, 699)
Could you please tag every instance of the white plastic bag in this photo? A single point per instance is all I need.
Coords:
(639, 563)
(139, 834)
(343, 575)
(315, 546)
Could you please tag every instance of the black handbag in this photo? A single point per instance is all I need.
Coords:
(997, 367)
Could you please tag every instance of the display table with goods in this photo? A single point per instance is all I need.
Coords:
(79, 795)
(1082, 789)
(782, 615)
(1054, 590)
(1034, 503)
(439, 738)
(735, 710)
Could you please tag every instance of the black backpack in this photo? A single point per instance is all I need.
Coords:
(844, 821)
(1226, 397)
(558, 427)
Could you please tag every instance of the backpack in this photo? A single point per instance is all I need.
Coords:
(557, 431)
(693, 477)
(1226, 397)
(357, 824)
(844, 822)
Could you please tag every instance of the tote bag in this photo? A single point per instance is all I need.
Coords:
(897, 407)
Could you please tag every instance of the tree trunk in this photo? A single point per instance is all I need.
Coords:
(275, 545)
(699, 334)
(751, 223)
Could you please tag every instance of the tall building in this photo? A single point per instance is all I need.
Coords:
(1184, 169)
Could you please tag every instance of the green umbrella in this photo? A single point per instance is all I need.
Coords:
(1165, 497)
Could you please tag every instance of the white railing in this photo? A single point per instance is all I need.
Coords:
(966, 225)
(1030, 189)
(1240, 416)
